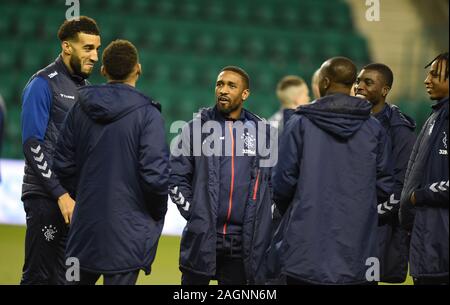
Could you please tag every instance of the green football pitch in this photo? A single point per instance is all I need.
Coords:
(164, 269)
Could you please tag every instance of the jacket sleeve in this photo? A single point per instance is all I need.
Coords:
(403, 139)
(154, 165)
(36, 105)
(385, 180)
(434, 195)
(286, 172)
(64, 162)
(182, 165)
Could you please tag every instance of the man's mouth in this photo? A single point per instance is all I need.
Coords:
(223, 100)
(360, 95)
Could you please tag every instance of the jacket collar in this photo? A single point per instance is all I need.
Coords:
(439, 104)
(62, 67)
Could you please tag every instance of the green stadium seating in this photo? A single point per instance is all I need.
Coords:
(183, 45)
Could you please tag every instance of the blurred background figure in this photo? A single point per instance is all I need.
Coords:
(292, 92)
(2, 127)
(315, 84)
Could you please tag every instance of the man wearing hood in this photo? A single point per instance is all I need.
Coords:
(113, 158)
(424, 200)
(374, 83)
(332, 172)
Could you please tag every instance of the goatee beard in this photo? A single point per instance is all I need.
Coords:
(75, 64)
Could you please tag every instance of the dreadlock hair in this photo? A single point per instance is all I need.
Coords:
(441, 58)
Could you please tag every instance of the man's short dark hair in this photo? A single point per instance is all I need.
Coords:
(290, 81)
(340, 70)
(70, 28)
(241, 72)
(441, 58)
(119, 58)
(384, 70)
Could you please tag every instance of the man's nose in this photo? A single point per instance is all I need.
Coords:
(94, 56)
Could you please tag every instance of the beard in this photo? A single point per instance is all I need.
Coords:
(75, 64)
(226, 110)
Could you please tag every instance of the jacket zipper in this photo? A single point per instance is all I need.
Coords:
(230, 202)
(255, 189)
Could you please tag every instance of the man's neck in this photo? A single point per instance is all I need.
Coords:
(378, 107)
(66, 61)
(129, 82)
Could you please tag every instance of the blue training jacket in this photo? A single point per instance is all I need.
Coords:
(333, 169)
(113, 158)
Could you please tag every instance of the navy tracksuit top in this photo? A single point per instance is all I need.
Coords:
(235, 173)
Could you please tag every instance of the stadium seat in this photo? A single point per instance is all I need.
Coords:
(204, 43)
(241, 13)
(165, 9)
(254, 48)
(288, 17)
(263, 14)
(213, 11)
(189, 10)
(25, 23)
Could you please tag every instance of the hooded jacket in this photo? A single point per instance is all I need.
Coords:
(333, 169)
(113, 158)
(195, 188)
(427, 177)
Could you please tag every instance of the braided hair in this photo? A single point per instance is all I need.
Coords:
(441, 59)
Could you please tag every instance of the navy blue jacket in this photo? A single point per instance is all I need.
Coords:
(394, 240)
(333, 169)
(195, 180)
(113, 157)
(427, 177)
(235, 174)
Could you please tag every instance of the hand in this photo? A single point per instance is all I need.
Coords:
(66, 205)
(413, 198)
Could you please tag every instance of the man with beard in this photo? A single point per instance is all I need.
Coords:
(47, 97)
(224, 194)
(424, 200)
(373, 84)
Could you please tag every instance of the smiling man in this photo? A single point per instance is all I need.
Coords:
(373, 83)
(424, 201)
(224, 197)
(47, 97)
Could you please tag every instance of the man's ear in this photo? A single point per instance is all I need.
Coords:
(139, 69)
(103, 71)
(385, 91)
(326, 82)
(245, 94)
(66, 47)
